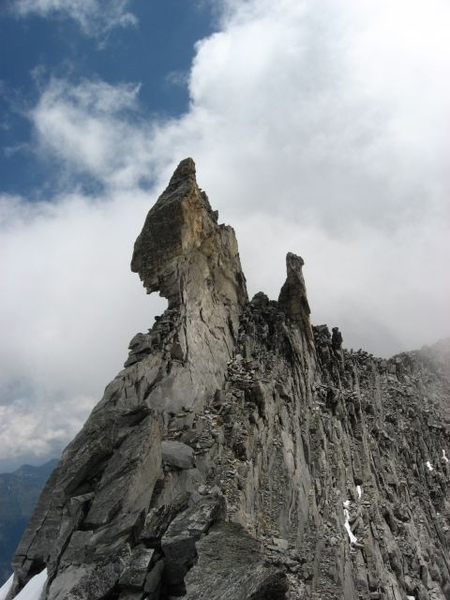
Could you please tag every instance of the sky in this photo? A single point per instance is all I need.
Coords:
(320, 127)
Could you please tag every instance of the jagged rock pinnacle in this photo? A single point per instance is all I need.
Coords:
(293, 300)
(181, 248)
(183, 253)
(184, 174)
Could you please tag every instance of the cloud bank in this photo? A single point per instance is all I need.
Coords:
(318, 127)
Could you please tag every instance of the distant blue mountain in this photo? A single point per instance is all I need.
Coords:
(19, 492)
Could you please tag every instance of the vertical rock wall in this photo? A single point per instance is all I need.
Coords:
(243, 454)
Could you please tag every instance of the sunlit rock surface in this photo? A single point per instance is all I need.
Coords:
(244, 454)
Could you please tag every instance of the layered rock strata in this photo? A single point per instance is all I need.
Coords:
(242, 453)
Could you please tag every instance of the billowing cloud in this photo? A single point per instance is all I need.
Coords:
(91, 127)
(93, 16)
(331, 96)
(317, 127)
(70, 306)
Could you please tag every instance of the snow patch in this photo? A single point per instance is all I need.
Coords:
(4, 590)
(411, 597)
(444, 457)
(359, 490)
(34, 588)
(430, 468)
(351, 537)
(346, 503)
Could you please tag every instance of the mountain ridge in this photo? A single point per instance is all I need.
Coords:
(243, 453)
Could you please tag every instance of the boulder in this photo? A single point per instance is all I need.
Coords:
(178, 455)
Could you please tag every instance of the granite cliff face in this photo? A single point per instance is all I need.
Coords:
(242, 453)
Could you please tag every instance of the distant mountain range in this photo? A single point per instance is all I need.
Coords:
(19, 492)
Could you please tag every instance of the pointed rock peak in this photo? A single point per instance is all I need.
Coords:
(294, 265)
(183, 185)
(184, 173)
(293, 298)
(182, 250)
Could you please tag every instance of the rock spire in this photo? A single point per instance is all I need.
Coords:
(292, 299)
(182, 247)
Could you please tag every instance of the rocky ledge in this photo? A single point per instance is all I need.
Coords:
(242, 453)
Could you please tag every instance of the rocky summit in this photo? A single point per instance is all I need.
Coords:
(243, 454)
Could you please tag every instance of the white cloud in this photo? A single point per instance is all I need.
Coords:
(89, 128)
(306, 88)
(93, 16)
(27, 431)
(317, 127)
(69, 308)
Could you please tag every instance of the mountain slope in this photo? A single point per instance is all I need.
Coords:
(242, 453)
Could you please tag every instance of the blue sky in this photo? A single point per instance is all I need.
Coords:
(154, 49)
(319, 127)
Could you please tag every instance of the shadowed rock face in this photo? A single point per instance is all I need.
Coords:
(243, 454)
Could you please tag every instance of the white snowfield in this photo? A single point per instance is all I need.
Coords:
(32, 591)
